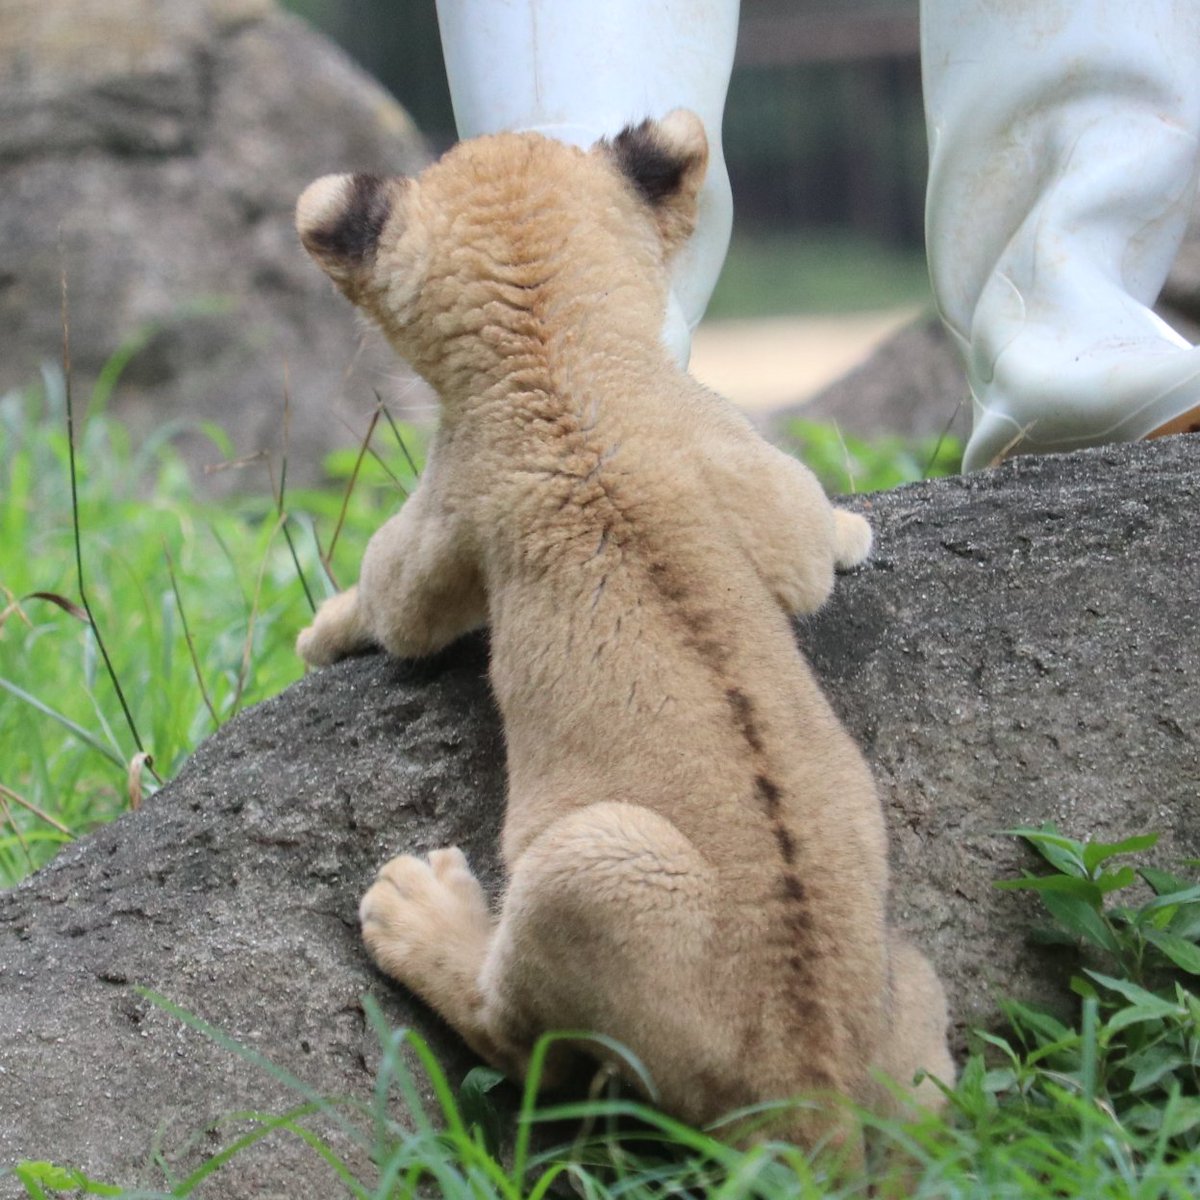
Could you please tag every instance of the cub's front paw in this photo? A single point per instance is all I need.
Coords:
(336, 631)
(426, 922)
(311, 648)
(851, 538)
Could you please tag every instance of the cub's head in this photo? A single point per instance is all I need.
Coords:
(510, 238)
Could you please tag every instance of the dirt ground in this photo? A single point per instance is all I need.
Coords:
(767, 363)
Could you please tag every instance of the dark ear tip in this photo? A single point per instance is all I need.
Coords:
(340, 217)
(657, 156)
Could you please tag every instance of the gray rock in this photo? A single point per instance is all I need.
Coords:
(1022, 646)
(155, 150)
(234, 893)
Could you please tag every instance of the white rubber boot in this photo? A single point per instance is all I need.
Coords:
(580, 70)
(1063, 166)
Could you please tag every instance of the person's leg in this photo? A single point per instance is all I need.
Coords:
(580, 70)
(1063, 167)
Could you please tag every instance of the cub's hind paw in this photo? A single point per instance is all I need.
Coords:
(852, 538)
(426, 922)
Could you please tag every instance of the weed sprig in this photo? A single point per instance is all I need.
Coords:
(1137, 1057)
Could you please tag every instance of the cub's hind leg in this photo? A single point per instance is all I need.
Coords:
(425, 922)
(612, 924)
(604, 912)
(615, 923)
(607, 922)
(917, 1037)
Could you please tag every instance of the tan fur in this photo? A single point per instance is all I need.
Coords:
(696, 855)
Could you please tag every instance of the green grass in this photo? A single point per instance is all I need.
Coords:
(196, 603)
(817, 272)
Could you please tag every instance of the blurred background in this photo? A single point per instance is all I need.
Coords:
(151, 151)
(825, 144)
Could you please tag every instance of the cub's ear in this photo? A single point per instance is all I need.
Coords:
(665, 162)
(340, 219)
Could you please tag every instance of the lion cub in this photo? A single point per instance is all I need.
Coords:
(696, 857)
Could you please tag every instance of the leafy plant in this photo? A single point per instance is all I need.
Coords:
(1137, 1055)
(44, 1179)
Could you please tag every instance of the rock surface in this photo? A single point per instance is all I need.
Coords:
(1022, 646)
(155, 150)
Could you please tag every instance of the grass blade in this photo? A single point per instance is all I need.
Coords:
(412, 466)
(266, 1124)
(89, 739)
(68, 606)
(112, 674)
(337, 530)
(188, 639)
(248, 645)
(137, 763)
(29, 806)
(10, 820)
(280, 1074)
(279, 499)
